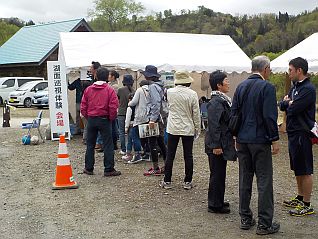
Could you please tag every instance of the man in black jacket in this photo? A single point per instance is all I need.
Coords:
(300, 107)
(258, 132)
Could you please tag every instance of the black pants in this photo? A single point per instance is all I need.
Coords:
(256, 159)
(187, 143)
(217, 180)
(153, 142)
(104, 126)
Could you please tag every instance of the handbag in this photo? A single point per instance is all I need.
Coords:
(235, 121)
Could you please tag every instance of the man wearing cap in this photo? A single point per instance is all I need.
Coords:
(156, 94)
(99, 106)
(184, 123)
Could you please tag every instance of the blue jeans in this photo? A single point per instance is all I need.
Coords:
(99, 138)
(102, 125)
(133, 140)
(121, 125)
(115, 130)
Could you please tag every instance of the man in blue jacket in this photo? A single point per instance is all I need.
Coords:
(300, 107)
(258, 132)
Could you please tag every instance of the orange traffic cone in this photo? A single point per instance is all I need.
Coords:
(64, 178)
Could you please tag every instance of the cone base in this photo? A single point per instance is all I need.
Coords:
(55, 187)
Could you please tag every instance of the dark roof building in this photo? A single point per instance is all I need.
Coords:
(27, 51)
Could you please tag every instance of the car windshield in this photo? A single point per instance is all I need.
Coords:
(26, 86)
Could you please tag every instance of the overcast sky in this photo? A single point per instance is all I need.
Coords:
(57, 10)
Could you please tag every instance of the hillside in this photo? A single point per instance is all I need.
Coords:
(255, 34)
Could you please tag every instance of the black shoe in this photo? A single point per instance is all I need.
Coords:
(112, 173)
(85, 171)
(261, 230)
(247, 223)
(221, 210)
(226, 204)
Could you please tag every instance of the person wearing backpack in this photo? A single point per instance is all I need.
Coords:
(156, 93)
(140, 101)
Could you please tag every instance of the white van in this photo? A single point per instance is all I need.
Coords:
(23, 95)
(9, 84)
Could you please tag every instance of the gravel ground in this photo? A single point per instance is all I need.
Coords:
(128, 206)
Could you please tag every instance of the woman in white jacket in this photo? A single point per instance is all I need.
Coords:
(184, 123)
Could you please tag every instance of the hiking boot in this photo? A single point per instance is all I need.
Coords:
(293, 202)
(247, 223)
(165, 185)
(146, 157)
(301, 210)
(136, 159)
(85, 171)
(220, 210)
(261, 230)
(112, 173)
(153, 172)
(187, 185)
(98, 146)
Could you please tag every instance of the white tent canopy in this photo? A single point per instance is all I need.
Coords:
(167, 51)
(306, 49)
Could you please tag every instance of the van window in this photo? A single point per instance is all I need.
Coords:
(23, 81)
(9, 83)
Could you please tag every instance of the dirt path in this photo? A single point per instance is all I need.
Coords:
(129, 206)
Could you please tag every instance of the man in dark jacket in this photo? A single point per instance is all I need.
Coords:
(300, 107)
(79, 85)
(256, 135)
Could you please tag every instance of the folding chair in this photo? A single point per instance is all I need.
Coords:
(36, 123)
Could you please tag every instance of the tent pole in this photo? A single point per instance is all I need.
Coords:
(282, 128)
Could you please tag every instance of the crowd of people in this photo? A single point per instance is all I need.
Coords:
(110, 112)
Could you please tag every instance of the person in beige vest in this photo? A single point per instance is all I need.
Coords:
(184, 123)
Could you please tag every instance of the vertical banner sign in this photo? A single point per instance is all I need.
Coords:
(58, 101)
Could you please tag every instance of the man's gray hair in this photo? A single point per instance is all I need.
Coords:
(259, 63)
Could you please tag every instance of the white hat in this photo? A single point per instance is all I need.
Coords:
(182, 77)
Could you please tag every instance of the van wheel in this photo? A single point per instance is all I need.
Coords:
(27, 102)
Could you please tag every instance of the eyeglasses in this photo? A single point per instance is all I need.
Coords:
(268, 67)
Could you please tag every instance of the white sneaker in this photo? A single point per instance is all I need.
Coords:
(126, 158)
(122, 152)
(135, 159)
(165, 185)
(187, 185)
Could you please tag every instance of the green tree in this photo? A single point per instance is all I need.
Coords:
(115, 13)
(6, 31)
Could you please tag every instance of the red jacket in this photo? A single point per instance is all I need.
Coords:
(99, 99)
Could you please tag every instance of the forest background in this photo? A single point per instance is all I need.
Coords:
(267, 34)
